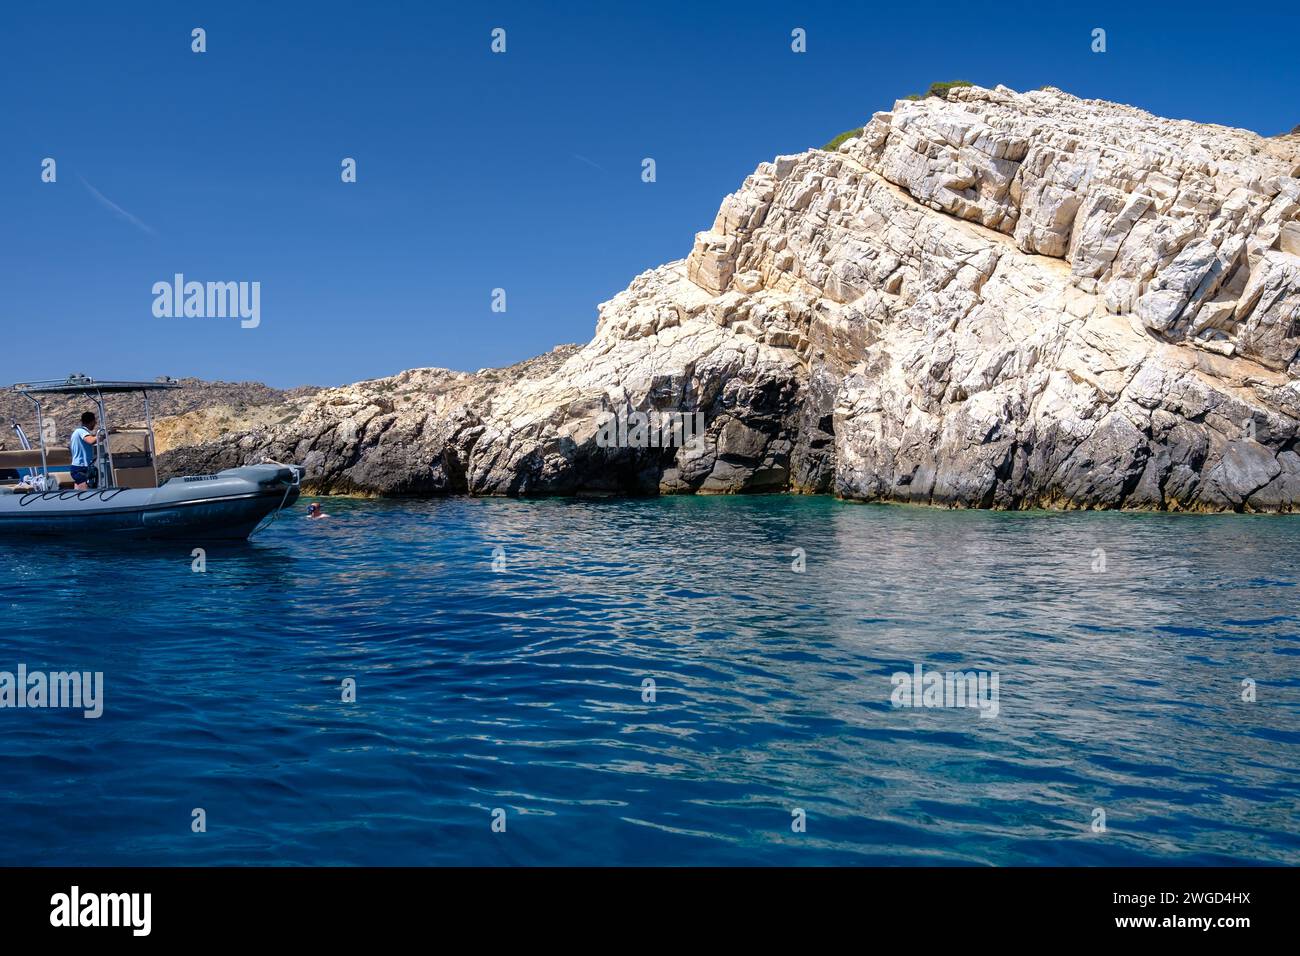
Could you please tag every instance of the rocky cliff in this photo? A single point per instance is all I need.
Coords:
(993, 299)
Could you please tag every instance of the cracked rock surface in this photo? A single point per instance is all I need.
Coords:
(997, 300)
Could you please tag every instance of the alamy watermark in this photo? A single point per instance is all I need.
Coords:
(932, 688)
(209, 300)
(650, 430)
(77, 690)
(76, 908)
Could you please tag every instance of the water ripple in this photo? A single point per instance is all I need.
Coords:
(1121, 643)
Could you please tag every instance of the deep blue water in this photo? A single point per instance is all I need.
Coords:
(521, 689)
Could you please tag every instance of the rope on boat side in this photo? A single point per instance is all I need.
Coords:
(270, 519)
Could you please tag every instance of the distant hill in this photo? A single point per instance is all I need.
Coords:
(128, 409)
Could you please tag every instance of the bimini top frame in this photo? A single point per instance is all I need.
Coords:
(78, 384)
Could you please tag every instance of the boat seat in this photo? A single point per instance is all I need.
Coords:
(22, 458)
(18, 488)
(144, 477)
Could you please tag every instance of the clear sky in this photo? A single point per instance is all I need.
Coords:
(476, 170)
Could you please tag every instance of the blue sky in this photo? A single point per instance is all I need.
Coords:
(476, 171)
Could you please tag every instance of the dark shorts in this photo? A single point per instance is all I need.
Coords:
(80, 475)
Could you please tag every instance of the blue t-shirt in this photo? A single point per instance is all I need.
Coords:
(83, 452)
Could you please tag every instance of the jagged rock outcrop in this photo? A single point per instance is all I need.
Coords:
(996, 299)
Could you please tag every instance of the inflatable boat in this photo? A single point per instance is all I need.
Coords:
(123, 498)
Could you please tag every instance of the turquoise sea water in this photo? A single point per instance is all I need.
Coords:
(1120, 643)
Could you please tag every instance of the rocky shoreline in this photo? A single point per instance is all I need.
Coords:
(986, 300)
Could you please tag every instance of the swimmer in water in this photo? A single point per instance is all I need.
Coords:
(313, 511)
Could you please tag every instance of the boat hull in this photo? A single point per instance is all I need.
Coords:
(227, 506)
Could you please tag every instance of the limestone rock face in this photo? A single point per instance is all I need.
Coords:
(999, 299)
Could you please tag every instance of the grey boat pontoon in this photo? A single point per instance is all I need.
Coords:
(127, 501)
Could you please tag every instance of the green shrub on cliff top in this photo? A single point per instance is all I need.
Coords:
(838, 141)
(939, 89)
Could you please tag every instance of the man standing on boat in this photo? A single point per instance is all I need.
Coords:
(83, 453)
